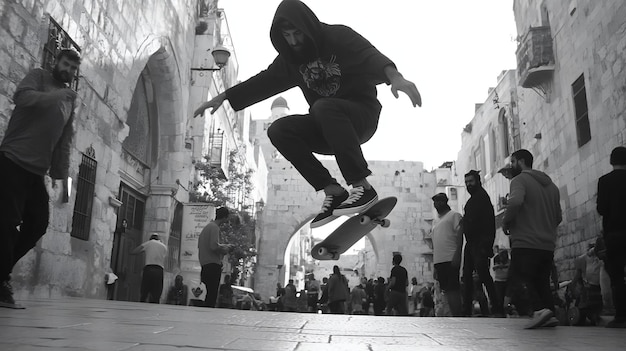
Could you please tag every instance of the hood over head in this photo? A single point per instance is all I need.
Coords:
(539, 176)
(302, 18)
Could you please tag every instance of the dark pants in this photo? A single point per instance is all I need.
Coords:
(614, 266)
(477, 258)
(530, 270)
(500, 292)
(448, 278)
(151, 283)
(210, 275)
(337, 307)
(23, 205)
(332, 127)
(397, 301)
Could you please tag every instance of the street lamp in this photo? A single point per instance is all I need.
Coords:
(220, 56)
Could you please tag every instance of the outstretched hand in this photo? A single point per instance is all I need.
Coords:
(214, 104)
(407, 87)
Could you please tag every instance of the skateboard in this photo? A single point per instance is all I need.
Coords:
(352, 230)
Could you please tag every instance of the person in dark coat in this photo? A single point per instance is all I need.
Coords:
(479, 227)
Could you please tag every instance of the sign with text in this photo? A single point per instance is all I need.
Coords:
(195, 217)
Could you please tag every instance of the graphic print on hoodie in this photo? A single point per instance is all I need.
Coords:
(338, 63)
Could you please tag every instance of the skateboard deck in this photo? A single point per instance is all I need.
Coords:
(352, 230)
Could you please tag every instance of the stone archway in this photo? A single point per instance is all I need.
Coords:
(292, 203)
(154, 165)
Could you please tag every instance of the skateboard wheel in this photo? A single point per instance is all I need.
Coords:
(336, 256)
(385, 223)
(365, 220)
(322, 251)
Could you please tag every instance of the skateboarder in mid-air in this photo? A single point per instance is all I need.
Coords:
(337, 70)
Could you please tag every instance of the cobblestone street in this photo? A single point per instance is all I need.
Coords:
(83, 324)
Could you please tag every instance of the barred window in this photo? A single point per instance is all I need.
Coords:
(173, 243)
(81, 221)
(58, 39)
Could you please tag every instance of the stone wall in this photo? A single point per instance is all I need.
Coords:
(589, 39)
(119, 40)
(292, 203)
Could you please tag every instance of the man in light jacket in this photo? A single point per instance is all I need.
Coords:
(531, 219)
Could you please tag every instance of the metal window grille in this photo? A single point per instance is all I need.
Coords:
(81, 221)
(132, 209)
(583, 129)
(58, 39)
(173, 243)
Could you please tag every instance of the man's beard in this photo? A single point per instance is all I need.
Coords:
(472, 189)
(442, 208)
(306, 52)
(61, 76)
(515, 171)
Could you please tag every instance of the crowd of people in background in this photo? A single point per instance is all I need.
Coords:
(483, 279)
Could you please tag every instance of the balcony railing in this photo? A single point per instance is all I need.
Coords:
(218, 154)
(535, 57)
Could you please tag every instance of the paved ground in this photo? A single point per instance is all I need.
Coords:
(82, 324)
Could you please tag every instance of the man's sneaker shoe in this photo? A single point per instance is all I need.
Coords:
(6, 295)
(552, 322)
(326, 214)
(616, 323)
(360, 199)
(539, 318)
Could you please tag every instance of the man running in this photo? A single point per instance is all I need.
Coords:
(337, 70)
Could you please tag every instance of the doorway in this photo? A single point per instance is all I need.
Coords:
(129, 235)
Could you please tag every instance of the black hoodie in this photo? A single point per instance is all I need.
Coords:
(343, 64)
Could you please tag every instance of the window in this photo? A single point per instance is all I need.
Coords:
(58, 39)
(504, 130)
(583, 130)
(173, 243)
(81, 220)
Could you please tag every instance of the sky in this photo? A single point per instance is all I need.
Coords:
(453, 50)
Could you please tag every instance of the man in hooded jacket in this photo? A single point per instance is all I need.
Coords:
(531, 219)
(337, 70)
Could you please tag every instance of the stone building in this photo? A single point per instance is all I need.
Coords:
(565, 103)
(292, 203)
(572, 106)
(487, 141)
(141, 77)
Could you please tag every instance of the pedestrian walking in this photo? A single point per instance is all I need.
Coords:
(380, 289)
(447, 247)
(338, 291)
(211, 253)
(501, 273)
(479, 227)
(398, 281)
(531, 219)
(152, 276)
(611, 205)
(37, 140)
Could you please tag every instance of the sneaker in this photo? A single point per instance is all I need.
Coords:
(326, 214)
(6, 295)
(616, 323)
(360, 199)
(539, 318)
(552, 322)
